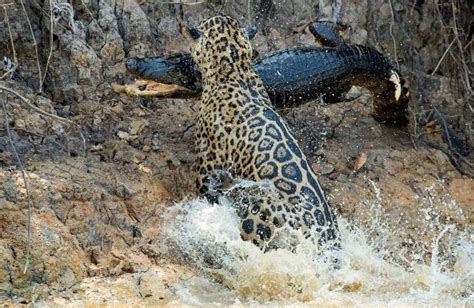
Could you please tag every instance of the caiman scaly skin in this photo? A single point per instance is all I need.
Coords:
(294, 76)
(173, 69)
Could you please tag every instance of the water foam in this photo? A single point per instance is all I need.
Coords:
(206, 236)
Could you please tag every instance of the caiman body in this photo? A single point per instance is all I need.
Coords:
(294, 76)
(297, 75)
(176, 69)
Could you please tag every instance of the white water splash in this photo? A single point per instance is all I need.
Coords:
(206, 237)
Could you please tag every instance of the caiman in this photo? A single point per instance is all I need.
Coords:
(291, 76)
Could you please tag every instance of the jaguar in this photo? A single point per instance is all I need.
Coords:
(240, 134)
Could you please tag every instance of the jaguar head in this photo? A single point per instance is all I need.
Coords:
(220, 47)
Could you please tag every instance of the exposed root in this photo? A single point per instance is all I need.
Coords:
(395, 53)
(25, 181)
(442, 57)
(11, 67)
(30, 105)
(44, 113)
(51, 32)
(63, 10)
(35, 44)
(432, 122)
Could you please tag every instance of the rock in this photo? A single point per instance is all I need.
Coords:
(123, 135)
(10, 191)
(96, 36)
(462, 190)
(322, 168)
(84, 66)
(121, 152)
(168, 29)
(398, 193)
(7, 260)
(392, 166)
(136, 29)
(124, 191)
(151, 284)
(137, 126)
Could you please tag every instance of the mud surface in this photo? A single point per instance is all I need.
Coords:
(99, 186)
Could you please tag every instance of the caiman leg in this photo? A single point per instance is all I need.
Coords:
(328, 33)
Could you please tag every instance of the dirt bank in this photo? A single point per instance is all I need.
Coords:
(98, 186)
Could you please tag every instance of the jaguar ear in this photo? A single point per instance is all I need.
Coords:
(195, 33)
(249, 32)
(255, 54)
(190, 32)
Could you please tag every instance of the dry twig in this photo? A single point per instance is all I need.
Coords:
(40, 90)
(51, 32)
(43, 12)
(461, 49)
(395, 53)
(30, 105)
(41, 111)
(249, 12)
(25, 181)
(454, 148)
(15, 60)
(442, 57)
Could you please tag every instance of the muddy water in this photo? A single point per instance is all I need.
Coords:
(217, 268)
(207, 237)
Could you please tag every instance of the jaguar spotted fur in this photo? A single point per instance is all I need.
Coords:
(239, 132)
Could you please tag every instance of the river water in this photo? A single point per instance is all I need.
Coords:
(373, 269)
(206, 263)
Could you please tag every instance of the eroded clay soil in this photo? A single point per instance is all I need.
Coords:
(97, 204)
